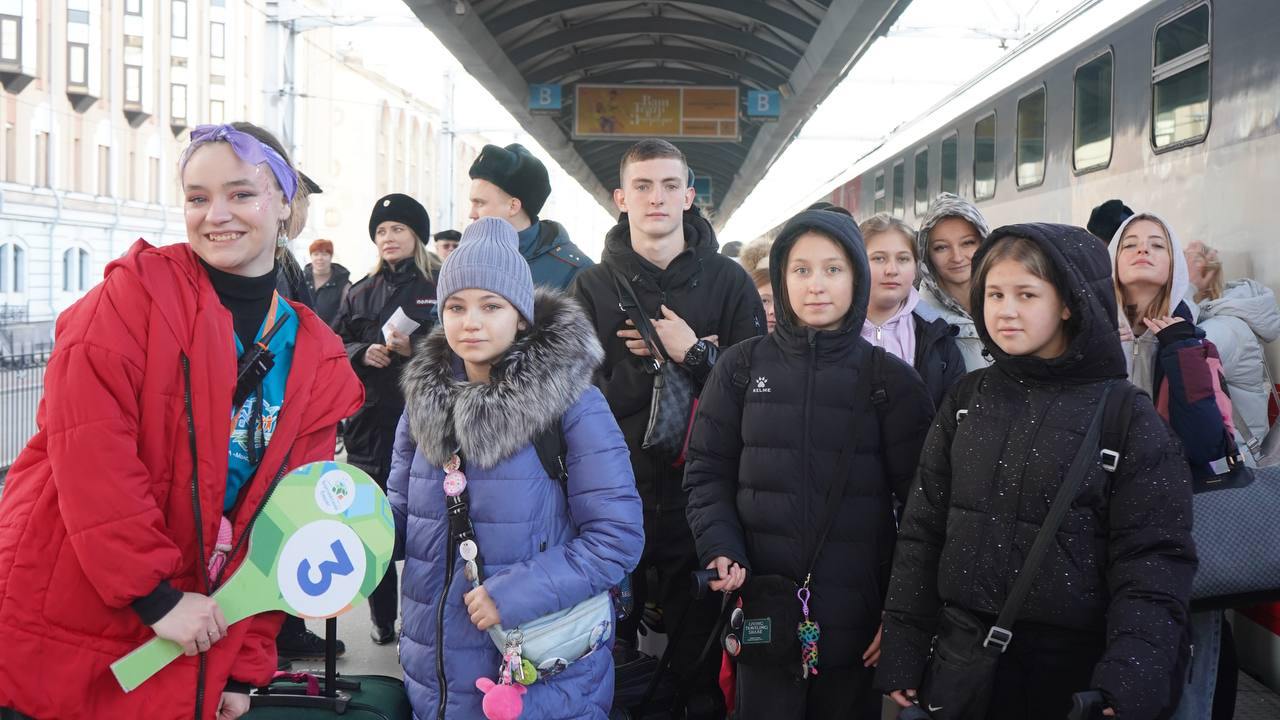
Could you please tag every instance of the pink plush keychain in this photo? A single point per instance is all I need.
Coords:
(501, 701)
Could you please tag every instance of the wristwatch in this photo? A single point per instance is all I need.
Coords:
(695, 355)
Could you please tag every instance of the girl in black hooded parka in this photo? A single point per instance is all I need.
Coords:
(764, 458)
(1108, 607)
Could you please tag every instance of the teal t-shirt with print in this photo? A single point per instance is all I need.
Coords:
(242, 463)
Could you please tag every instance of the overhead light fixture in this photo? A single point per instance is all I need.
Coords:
(459, 7)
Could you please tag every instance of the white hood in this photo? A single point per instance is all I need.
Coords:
(1181, 275)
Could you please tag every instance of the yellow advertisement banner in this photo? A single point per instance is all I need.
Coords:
(703, 113)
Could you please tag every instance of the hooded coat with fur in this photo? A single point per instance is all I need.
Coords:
(946, 206)
(767, 463)
(541, 553)
(1175, 366)
(1121, 565)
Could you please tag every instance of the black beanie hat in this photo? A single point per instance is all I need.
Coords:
(401, 208)
(517, 172)
(829, 207)
(1107, 218)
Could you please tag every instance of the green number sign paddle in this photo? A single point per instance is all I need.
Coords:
(321, 545)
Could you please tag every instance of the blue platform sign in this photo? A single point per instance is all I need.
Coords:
(764, 104)
(702, 190)
(544, 98)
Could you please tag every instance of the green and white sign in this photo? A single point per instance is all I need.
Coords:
(321, 545)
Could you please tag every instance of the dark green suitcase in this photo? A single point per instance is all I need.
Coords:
(358, 697)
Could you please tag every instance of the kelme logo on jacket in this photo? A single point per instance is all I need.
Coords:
(762, 385)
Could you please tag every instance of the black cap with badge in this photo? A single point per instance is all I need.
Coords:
(398, 207)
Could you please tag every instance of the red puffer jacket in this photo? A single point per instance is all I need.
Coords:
(106, 502)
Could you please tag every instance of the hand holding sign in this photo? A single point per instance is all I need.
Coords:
(322, 542)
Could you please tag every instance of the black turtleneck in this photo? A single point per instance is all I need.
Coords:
(247, 298)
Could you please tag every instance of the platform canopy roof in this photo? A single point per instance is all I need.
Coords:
(800, 48)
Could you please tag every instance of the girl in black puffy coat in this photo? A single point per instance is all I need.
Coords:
(788, 439)
(1108, 607)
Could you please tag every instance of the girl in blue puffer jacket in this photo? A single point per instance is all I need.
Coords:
(506, 366)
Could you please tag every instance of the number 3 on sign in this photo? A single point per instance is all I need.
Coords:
(321, 568)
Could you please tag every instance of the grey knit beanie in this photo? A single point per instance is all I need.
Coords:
(488, 258)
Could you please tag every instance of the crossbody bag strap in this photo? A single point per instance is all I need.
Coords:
(635, 311)
(1000, 634)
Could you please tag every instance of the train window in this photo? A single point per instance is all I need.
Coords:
(879, 194)
(1031, 139)
(950, 181)
(984, 158)
(1180, 80)
(1092, 143)
(922, 181)
(899, 189)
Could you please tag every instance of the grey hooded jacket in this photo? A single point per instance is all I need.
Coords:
(1240, 323)
(946, 206)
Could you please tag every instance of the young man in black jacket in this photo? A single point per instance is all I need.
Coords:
(699, 301)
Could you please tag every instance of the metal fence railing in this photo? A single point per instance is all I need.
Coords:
(21, 387)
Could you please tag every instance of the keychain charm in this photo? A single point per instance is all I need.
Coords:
(808, 632)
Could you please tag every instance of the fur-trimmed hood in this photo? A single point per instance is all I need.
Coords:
(534, 382)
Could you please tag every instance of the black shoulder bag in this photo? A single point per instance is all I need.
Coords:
(958, 681)
(674, 390)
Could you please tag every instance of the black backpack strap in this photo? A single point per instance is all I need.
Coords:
(879, 389)
(1115, 423)
(966, 388)
(741, 377)
(551, 448)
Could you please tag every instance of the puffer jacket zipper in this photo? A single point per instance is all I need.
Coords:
(201, 562)
(809, 371)
(444, 594)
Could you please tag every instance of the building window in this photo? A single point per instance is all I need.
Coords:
(42, 159)
(178, 103)
(217, 40)
(13, 268)
(133, 7)
(77, 166)
(178, 19)
(950, 171)
(77, 64)
(922, 182)
(104, 170)
(216, 112)
(1092, 142)
(10, 39)
(1180, 80)
(133, 84)
(879, 192)
(1030, 152)
(10, 152)
(899, 189)
(131, 175)
(154, 177)
(984, 158)
(75, 270)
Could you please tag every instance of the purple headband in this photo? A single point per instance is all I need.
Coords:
(249, 149)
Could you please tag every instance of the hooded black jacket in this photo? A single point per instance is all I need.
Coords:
(938, 359)
(1123, 561)
(328, 297)
(370, 433)
(762, 461)
(709, 291)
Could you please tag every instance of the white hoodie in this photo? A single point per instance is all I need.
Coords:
(1239, 324)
